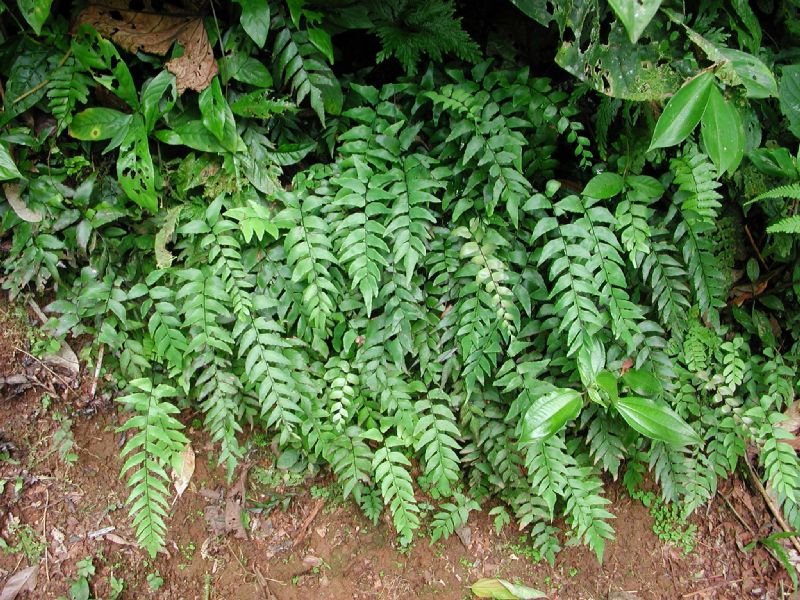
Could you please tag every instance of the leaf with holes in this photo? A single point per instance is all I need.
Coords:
(635, 15)
(135, 168)
(35, 12)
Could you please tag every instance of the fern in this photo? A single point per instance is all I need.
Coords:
(436, 432)
(301, 67)
(150, 451)
(452, 516)
(67, 88)
(394, 480)
(409, 29)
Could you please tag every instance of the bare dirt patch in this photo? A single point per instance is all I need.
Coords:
(301, 540)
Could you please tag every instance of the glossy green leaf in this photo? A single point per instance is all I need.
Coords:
(500, 589)
(151, 98)
(656, 421)
(322, 40)
(35, 12)
(98, 123)
(635, 15)
(722, 132)
(641, 382)
(683, 112)
(8, 169)
(755, 76)
(550, 413)
(789, 95)
(135, 170)
(255, 20)
(212, 108)
(607, 382)
(604, 185)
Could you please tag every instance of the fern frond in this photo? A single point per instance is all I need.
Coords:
(451, 516)
(436, 434)
(150, 451)
(392, 475)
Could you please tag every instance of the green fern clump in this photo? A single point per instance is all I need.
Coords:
(428, 286)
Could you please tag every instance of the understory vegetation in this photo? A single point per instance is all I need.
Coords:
(461, 255)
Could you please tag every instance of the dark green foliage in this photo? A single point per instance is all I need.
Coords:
(428, 284)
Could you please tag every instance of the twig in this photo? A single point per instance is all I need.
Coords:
(49, 370)
(714, 587)
(44, 534)
(301, 534)
(39, 86)
(770, 504)
(36, 309)
(97, 370)
(738, 516)
(264, 589)
(755, 248)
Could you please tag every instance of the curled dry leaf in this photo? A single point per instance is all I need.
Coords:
(155, 33)
(23, 581)
(183, 470)
(23, 212)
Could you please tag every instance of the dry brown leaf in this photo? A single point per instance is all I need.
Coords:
(184, 469)
(154, 34)
(24, 581)
(233, 519)
(23, 212)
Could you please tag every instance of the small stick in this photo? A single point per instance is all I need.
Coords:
(301, 534)
(53, 373)
(97, 370)
(738, 516)
(44, 533)
(714, 587)
(773, 509)
(753, 244)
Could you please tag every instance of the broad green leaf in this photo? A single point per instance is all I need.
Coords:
(656, 421)
(8, 169)
(722, 132)
(193, 134)
(603, 186)
(98, 123)
(322, 40)
(756, 77)
(608, 383)
(135, 170)
(683, 112)
(152, 93)
(635, 14)
(212, 108)
(255, 20)
(641, 382)
(35, 12)
(500, 589)
(550, 413)
(789, 95)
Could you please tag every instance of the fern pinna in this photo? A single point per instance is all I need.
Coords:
(423, 305)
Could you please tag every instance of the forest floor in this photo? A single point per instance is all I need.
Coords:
(62, 501)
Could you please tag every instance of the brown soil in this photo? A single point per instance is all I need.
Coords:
(61, 506)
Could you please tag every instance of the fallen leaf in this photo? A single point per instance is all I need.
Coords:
(24, 581)
(23, 212)
(183, 470)
(500, 589)
(155, 34)
(113, 537)
(623, 596)
(233, 519)
(65, 360)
